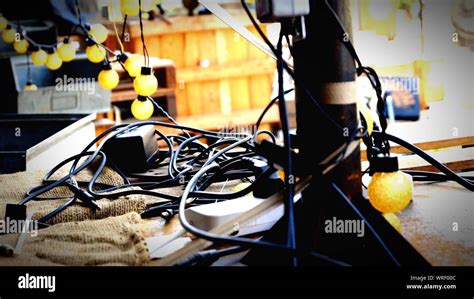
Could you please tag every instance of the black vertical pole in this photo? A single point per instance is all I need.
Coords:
(325, 75)
(325, 72)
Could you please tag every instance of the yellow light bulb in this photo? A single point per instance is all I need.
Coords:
(30, 87)
(99, 33)
(390, 192)
(39, 57)
(21, 46)
(393, 220)
(95, 53)
(145, 84)
(66, 51)
(133, 64)
(3, 23)
(108, 79)
(142, 109)
(8, 35)
(54, 62)
(130, 7)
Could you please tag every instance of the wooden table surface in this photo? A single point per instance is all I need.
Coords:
(439, 223)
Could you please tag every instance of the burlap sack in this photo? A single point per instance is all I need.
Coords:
(112, 241)
(13, 188)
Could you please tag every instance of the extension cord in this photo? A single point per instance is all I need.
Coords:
(209, 216)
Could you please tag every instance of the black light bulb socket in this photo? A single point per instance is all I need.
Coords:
(50, 51)
(383, 164)
(8, 27)
(66, 40)
(106, 66)
(34, 48)
(28, 83)
(122, 57)
(145, 70)
(87, 26)
(89, 41)
(142, 98)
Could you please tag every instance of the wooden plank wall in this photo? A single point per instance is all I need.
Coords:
(217, 70)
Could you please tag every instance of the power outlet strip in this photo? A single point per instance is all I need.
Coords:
(209, 216)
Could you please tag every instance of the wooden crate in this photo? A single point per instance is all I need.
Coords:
(217, 71)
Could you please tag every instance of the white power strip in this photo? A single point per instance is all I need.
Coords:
(209, 216)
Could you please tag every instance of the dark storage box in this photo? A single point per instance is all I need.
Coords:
(39, 142)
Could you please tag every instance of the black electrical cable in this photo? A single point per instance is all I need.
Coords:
(214, 146)
(265, 111)
(76, 158)
(124, 26)
(212, 237)
(63, 179)
(448, 172)
(208, 257)
(94, 141)
(142, 36)
(221, 171)
(228, 148)
(78, 12)
(232, 195)
(433, 176)
(167, 115)
(266, 132)
(289, 171)
(371, 75)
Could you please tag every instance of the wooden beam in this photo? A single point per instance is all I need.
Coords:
(218, 120)
(130, 94)
(455, 158)
(181, 24)
(429, 145)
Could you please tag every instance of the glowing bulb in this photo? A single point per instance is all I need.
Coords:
(3, 23)
(66, 50)
(39, 57)
(95, 53)
(142, 108)
(133, 64)
(30, 86)
(390, 190)
(393, 220)
(145, 84)
(21, 46)
(130, 7)
(54, 61)
(99, 33)
(8, 35)
(108, 78)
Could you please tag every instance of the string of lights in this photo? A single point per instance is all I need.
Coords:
(54, 55)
